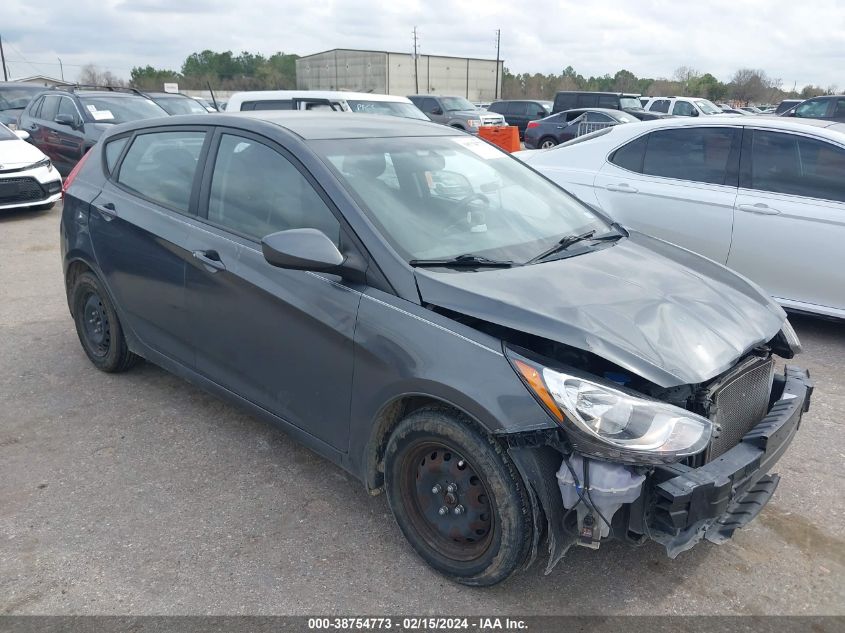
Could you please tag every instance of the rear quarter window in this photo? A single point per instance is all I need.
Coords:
(112, 152)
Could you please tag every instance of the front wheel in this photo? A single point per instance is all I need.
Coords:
(457, 498)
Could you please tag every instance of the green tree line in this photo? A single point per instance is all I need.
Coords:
(747, 85)
(223, 71)
(253, 71)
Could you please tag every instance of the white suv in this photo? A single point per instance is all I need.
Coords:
(683, 106)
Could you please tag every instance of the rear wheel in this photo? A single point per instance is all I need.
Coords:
(98, 327)
(457, 498)
(547, 142)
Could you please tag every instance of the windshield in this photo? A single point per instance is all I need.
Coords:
(119, 109)
(451, 104)
(441, 197)
(180, 105)
(6, 134)
(630, 103)
(390, 108)
(708, 107)
(17, 97)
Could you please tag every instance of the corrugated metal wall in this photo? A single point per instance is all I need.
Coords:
(393, 73)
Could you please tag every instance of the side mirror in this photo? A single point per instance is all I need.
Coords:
(65, 119)
(22, 135)
(437, 111)
(301, 249)
(694, 113)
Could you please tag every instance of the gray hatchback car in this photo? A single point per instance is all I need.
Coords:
(507, 364)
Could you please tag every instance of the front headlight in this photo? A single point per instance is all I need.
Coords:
(44, 163)
(474, 122)
(613, 424)
(791, 337)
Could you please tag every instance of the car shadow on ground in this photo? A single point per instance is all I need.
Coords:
(18, 214)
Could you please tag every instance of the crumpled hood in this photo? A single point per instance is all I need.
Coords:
(659, 311)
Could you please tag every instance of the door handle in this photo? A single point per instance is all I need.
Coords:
(759, 208)
(622, 187)
(210, 259)
(106, 210)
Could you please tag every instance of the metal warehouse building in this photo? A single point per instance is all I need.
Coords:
(394, 73)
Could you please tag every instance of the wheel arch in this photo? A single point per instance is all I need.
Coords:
(386, 420)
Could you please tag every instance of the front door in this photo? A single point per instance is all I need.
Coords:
(139, 233)
(789, 229)
(677, 184)
(282, 339)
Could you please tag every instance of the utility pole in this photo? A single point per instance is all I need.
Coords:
(61, 68)
(3, 60)
(498, 41)
(416, 65)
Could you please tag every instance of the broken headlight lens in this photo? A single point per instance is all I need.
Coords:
(614, 424)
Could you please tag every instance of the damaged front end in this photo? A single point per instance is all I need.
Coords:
(674, 466)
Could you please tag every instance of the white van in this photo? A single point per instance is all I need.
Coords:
(341, 101)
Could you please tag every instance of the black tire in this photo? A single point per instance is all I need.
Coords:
(45, 207)
(546, 142)
(491, 536)
(98, 326)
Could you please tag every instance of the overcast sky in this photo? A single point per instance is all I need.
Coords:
(798, 41)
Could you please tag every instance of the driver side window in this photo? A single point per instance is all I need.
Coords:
(256, 191)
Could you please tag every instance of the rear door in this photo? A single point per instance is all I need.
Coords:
(677, 184)
(282, 339)
(140, 234)
(40, 127)
(789, 227)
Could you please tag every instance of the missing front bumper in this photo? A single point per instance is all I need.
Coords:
(714, 500)
(680, 505)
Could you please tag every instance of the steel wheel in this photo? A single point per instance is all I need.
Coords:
(96, 325)
(457, 497)
(448, 504)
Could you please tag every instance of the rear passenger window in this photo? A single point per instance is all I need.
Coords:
(49, 108)
(587, 101)
(256, 191)
(796, 165)
(498, 107)
(113, 149)
(276, 104)
(161, 166)
(609, 101)
(662, 105)
(696, 154)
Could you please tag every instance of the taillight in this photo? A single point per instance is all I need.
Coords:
(533, 124)
(70, 177)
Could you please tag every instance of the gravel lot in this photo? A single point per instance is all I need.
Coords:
(140, 494)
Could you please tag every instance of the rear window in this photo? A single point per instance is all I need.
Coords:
(160, 166)
(180, 105)
(120, 109)
(498, 106)
(17, 97)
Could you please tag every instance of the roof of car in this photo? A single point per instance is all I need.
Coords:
(167, 94)
(757, 121)
(311, 125)
(336, 125)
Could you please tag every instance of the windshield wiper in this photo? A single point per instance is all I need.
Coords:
(467, 260)
(570, 240)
